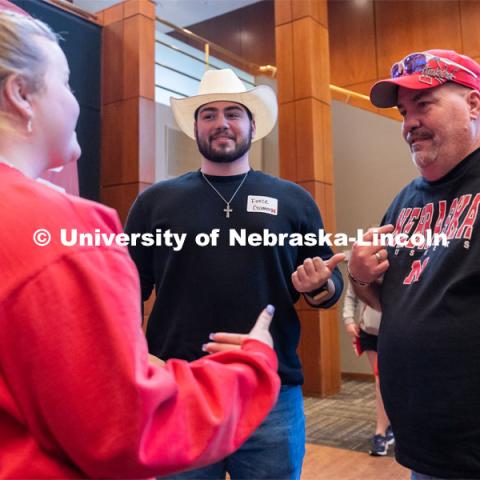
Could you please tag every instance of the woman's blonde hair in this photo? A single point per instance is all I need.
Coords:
(19, 53)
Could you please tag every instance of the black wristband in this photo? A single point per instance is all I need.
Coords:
(321, 289)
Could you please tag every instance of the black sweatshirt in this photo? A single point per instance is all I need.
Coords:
(429, 342)
(223, 288)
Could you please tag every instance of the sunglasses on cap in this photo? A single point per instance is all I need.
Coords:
(417, 62)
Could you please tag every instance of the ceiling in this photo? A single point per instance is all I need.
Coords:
(179, 12)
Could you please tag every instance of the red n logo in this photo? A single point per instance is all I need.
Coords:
(417, 269)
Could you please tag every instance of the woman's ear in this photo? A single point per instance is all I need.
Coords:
(16, 97)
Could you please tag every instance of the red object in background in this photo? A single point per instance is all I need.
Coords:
(6, 5)
(357, 347)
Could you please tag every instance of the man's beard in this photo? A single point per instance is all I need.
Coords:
(204, 146)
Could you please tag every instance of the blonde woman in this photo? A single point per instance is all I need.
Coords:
(78, 395)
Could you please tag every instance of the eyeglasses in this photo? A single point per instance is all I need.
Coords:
(417, 62)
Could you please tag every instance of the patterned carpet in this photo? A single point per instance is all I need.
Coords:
(345, 420)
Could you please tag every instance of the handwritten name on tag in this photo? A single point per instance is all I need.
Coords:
(259, 204)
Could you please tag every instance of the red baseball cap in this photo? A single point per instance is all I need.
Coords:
(422, 70)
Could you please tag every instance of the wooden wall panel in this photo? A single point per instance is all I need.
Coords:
(410, 26)
(314, 141)
(131, 57)
(319, 350)
(322, 115)
(351, 27)
(330, 351)
(135, 7)
(113, 14)
(306, 157)
(224, 30)
(316, 9)
(128, 116)
(283, 12)
(128, 167)
(470, 21)
(309, 352)
(366, 38)
(146, 49)
(287, 141)
(311, 78)
(258, 33)
(121, 197)
(138, 60)
(285, 71)
(249, 32)
(306, 131)
(362, 87)
(111, 148)
(330, 221)
(121, 142)
(112, 65)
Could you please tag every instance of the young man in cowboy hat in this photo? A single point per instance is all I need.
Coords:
(429, 343)
(196, 285)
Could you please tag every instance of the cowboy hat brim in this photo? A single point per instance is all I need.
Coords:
(260, 100)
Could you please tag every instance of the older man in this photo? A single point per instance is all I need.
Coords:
(429, 344)
(196, 284)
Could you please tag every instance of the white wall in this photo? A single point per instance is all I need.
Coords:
(371, 165)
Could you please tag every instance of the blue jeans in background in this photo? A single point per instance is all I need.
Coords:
(274, 451)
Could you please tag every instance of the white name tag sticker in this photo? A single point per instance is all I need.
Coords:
(259, 204)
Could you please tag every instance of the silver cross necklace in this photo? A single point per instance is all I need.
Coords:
(227, 210)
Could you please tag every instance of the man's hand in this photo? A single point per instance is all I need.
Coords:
(231, 341)
(369, 262)
(314, 273)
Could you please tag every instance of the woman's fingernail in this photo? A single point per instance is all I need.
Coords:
(211, 336)
(270, 309)
(204, 348)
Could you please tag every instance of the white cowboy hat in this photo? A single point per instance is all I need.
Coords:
(224, 85)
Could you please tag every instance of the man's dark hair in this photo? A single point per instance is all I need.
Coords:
(249, 113)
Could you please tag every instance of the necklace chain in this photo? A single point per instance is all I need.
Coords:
(227, 210)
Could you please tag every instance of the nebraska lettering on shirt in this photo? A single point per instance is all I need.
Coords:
(458, 224)
(416, 269)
